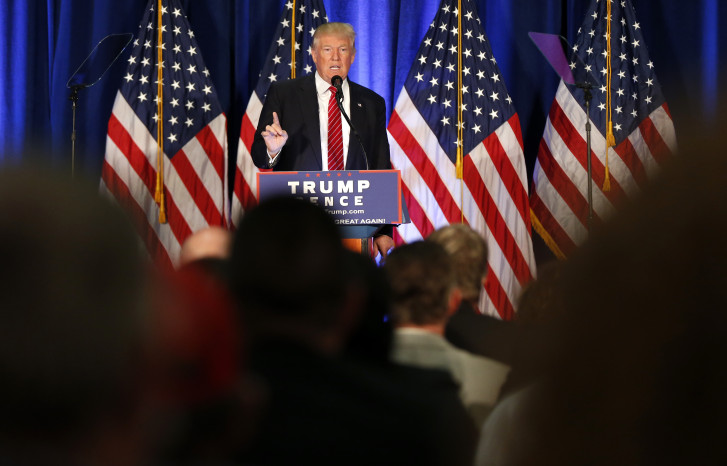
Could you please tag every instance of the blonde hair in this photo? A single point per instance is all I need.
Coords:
(468, 252)
(335, 29)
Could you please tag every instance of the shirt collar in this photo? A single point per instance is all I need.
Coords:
(322, 86)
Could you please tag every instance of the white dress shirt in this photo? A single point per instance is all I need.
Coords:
(479, 378)
(324, 95)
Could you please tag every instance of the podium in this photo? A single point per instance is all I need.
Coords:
(361, 202)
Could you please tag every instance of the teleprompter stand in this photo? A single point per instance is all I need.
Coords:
(90, 72)
(556, 50)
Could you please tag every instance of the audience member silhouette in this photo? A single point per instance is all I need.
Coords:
(73, 326)
(325, 407)
(537, 321)
(639, 376)
(209, 243)
(213, 401)
(371, 339)
(424, 297)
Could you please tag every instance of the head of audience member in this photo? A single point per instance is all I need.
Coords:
(536, 334)
(208, 243)
(373, 337)
(212, 399)
(73, 326)
(541, 300)
(468, 253)
(334, 49)
(640, 378)
(200, 333)
(288, 274)
(422, 280)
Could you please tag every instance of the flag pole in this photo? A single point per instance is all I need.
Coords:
(588, 96)
(460, 120)
(292, 44)
(610, 140)
(159, 193)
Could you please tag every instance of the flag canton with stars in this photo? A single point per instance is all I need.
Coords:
(189, 98)
(635, 92)
(278, 63)
(432, 81)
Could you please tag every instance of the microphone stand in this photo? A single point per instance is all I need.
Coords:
(74, 99)
(339, 100)
(587, 94)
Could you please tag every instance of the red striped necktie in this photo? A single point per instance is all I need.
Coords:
(335, 135)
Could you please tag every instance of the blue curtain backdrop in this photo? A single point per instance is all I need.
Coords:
(44, 41)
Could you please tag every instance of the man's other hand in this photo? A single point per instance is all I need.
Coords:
(382, 245)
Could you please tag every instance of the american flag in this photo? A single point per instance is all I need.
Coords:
(642, 127)
(309, 14)
(194, 136)
(492, 197)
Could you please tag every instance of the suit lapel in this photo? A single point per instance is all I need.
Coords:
(355, 159)
(309, 111)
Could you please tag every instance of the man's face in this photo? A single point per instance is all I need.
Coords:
(333, 55)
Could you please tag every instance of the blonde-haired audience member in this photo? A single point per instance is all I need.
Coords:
(468, 328)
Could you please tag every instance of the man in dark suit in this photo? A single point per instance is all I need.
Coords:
(293, 133)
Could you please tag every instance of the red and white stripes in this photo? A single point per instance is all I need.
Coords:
(560, 196)
(492, 198)
(195, 180)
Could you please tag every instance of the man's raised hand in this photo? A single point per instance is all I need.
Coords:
(274, 136)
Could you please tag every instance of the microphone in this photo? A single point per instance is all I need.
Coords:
(337, 81)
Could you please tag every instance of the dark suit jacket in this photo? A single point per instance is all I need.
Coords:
(296, 104)
(339, 411)
(482, 334)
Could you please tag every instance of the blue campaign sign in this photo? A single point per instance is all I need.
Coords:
(366, 197)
